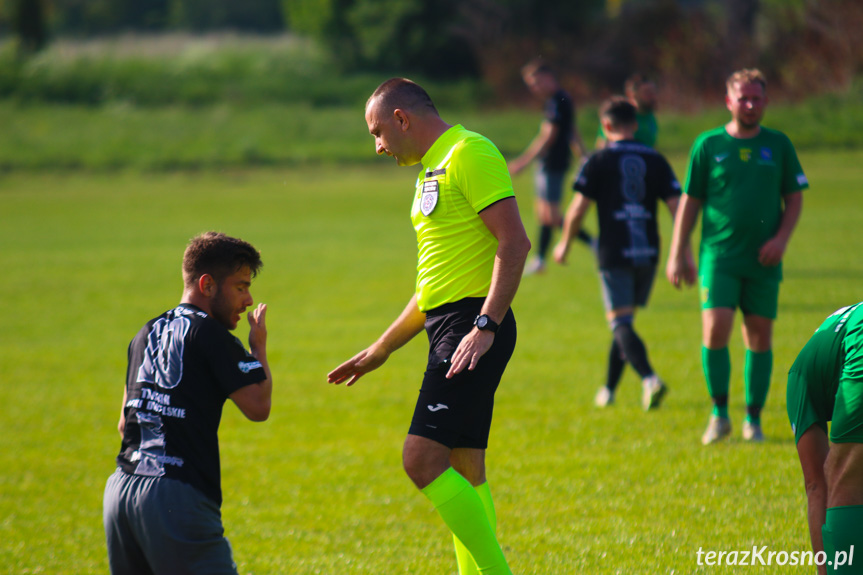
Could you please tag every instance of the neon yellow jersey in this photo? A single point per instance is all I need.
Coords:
(462, 174)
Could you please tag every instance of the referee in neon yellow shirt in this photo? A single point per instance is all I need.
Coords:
(472, 249)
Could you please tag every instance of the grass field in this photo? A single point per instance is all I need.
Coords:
(318, 489)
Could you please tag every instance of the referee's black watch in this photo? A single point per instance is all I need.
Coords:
(483, 322)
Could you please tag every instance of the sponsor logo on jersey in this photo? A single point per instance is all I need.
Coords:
(247, 366)
(720, 158)
(766, 154)
(801, 180)
(437, 407)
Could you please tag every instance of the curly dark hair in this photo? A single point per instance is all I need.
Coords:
(219, 255)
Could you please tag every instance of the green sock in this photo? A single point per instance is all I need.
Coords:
(717, 373)
(829, 550)
(843, 525)
(466, 564)
(463, 511)
(756, 376)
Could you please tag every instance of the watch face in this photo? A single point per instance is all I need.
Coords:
(481, 321)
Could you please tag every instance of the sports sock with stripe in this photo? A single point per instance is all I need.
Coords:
(756, 376)
(717, 373)
(616, 364)
(633, 347)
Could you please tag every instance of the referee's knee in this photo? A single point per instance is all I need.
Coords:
(424, 460)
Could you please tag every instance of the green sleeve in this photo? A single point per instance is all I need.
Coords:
(696, 177)
(793, 178)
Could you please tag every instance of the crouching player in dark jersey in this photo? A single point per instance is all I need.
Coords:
(162, 505)
(825, 383)
(472, 247)
(626, 179)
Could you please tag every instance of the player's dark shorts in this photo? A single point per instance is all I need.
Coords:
(549, 184)
(626, 287)
(163, 526)
(457, 412)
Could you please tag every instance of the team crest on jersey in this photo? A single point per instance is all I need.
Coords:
(430, 195)
(745, 154)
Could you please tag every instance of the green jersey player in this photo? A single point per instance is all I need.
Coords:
(747, 181)
(641, 91)
(825, 383)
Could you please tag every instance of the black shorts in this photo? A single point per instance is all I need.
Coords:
(457, 412)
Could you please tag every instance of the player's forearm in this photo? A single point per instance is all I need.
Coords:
(790, 216)
(817, 513)
(684, 221)
(409, 323)
(538, 147)
(121, 425)
(573, 218)
(506, 276)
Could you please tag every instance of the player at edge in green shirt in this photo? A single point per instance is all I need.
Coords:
(825, 384)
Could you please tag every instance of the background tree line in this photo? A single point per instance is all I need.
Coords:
(690, 45)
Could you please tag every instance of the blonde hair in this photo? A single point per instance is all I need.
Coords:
(535, 67)
(746, 76)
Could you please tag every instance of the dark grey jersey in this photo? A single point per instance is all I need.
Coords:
(626, 180)
(183, 366)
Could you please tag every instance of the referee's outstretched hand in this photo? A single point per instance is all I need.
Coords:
(365, 361)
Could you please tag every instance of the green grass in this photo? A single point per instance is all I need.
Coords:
(319, 487)
(121, 136)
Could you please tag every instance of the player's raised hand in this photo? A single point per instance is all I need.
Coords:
(258, 328)
(367, 360)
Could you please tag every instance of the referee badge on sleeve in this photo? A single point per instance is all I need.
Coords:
(428, 201)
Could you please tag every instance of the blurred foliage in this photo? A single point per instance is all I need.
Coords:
(417, 35)
(195, 70)
(804, 46)
(690, 46)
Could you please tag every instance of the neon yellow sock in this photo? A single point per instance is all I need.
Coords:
(463, 511)
(466, 564)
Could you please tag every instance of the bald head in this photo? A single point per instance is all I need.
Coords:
(401, 93)
(403, 120)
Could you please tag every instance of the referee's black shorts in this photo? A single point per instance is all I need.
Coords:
(457, 412)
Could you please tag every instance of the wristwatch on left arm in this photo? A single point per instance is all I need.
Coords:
(483, 322)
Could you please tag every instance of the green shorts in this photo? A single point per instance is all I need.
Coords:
(804, 407)
(812, 382)
(752, 295)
